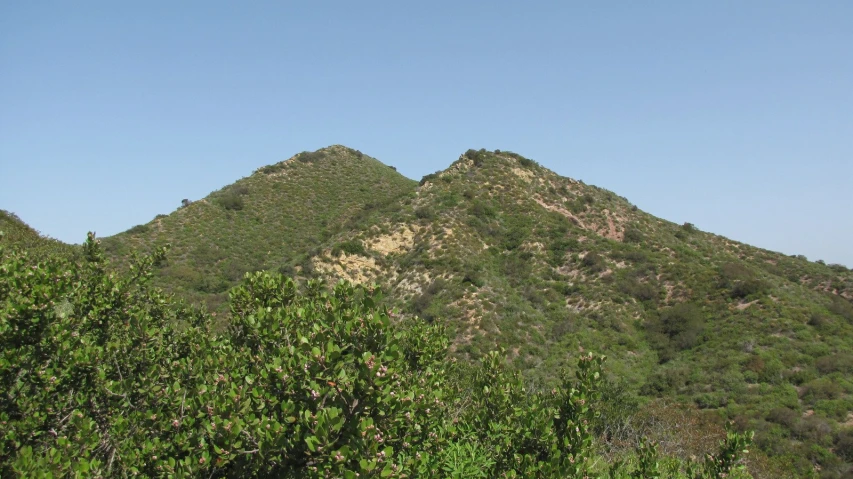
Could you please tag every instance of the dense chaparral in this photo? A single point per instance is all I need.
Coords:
(104, 376)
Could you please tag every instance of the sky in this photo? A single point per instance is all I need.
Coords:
(736, 116)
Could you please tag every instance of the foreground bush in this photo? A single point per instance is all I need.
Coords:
(103, 377)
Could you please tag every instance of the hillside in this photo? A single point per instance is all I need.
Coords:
(508, 254)
(262, 221)
(14, 232)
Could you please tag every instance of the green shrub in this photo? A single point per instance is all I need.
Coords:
(526, 162)
(349, 247)
(841, 307)
(633, 235)
(139, 229)
(822, 388)
(740, 280)
(844, 444)
(641, 291)
(311, 157)
(594, 262)
(428, 178)
(841, 362)
(103, 376)
(231, 201)
(676, 329)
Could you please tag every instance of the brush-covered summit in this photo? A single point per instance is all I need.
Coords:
(510, 255)
(262, 221)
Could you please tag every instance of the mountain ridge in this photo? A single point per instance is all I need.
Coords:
(509, 255)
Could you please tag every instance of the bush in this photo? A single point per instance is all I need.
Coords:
(633, 235)
(428, 178)
(676, 329)
(309, 383)
(425, 213)
(351, 247)
(740, 280)
(841, 362)
(594, 262)
(526, 162)
(139, 229)
(311, 157)
(231, 201)
(640, 291)
(844, 444)
(785, 416)
(841, 307)
(822, 388)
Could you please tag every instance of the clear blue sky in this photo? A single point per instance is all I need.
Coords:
(736, 116)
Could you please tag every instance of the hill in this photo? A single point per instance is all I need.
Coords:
(15, 233)
(507, 254)
(262, 221)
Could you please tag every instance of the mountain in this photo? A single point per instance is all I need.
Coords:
(262, 221)
(510, 255)
(14, 232)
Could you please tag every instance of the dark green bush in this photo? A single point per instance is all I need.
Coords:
(231, 201)
(139, 229)
(349, 247)
(642, 291)
(311, 157)
(677, 328)
(740, 280)
(841, 362)
(633, 235)
(822, 388)
(594, 262)
(425, 213)
(844, 444)
(526, 162)
(428, 178)
(841, 307)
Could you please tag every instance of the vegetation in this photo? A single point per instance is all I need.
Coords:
(105, 377)
(266, 221)
(508, 256)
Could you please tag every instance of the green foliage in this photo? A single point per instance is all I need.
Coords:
(740, 280)
(428, 178)
(841, 307)
(728, 459)
(633, 235)
(678, 328)
(287, 211)
(594, 262)
(349, 247)
(103, 376)
(139, 229)
(532, 262)
(231, 201)
(312, 156)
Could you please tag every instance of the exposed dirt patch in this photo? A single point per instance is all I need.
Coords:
(559, 209)
(523, 174)
(353, 268)
(611, 231)
(399, 241)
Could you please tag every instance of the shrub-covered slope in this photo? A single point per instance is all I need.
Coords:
(261, 221)
(507, 254)
(511, 255)
(15, 233)
(102, 377)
